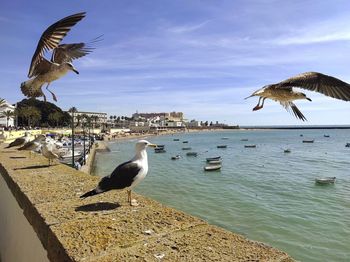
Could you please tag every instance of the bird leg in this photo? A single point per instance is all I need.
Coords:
(53, 95)
(258, 106)
(129, 196)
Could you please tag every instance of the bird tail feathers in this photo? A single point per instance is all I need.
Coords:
(30, 89)
(90, 193)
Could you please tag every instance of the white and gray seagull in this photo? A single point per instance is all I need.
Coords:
(21, 140)
(126, 175)
(283, 92)
(43, 71)
(33, 145)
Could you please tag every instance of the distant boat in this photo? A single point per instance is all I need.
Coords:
(212, 167)
(214, 162)
(244, 139)
(287, 150)
(213, 158)
(175, 157)
(326, 135)
(191, 154)
(301, 135)
(186, 148)
(159, 150)
(176, 139)
(222, 146)
(224, 138)
(347, 145)
(308, 141)
(185, 142)
(325, 180)
(250, 146)
(160, 146)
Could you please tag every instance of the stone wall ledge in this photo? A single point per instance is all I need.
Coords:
(106, 228)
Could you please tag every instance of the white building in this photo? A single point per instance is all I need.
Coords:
(102, 117)
(3, 120)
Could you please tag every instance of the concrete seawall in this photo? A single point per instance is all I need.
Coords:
(105, 227)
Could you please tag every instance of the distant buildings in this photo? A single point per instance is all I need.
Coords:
(3, 120)
(101, 118)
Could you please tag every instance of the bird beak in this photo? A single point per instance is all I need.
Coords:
(75, 71)
(152, 145)
(309, 99)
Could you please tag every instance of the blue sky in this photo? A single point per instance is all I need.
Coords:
(199, 57)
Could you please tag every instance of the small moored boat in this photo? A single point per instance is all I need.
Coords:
(224, 138)
(308, 141)
(325, 180)
(186, 148)
(159, 150)
(222, 146)
(191, 154)
(176, 139)
(326, 135)
(212, 167)
(347, 145)
(250, 146)
(175, 157)
(213, 158)
(185, 142)
(244, 139)
(287, 150)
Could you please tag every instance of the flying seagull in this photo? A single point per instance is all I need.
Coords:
(33, 145)
(127, 175)
(43, 71)
(283, 91)
(20, 141)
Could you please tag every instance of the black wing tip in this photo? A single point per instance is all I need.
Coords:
(90, 193)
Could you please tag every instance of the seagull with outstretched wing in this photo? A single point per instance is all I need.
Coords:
(283, 92)
(43, 71)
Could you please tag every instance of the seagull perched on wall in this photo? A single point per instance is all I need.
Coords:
(283, 91)
(49, 150)
(33, 145)
(21, 140)
(127, 175)
(43, 71)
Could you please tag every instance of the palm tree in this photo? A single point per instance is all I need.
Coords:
(8, 114)
(95, 119)
(2, 102)
(79, 118)
(73, 110)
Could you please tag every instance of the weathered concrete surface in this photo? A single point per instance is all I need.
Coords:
(106, 228)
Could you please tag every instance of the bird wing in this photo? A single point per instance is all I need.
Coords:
(121, 177)
(51, 38)
(27, 145)
(297, 113)
(327, 85)
(68, 52)
(19, 141)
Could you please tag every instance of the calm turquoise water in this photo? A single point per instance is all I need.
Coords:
(261, 192)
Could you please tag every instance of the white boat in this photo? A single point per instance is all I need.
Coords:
(70, 153)
(325, 180)
(175, 157)
(212, 167)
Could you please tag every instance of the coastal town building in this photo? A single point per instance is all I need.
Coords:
(101, 117)
(4, 121)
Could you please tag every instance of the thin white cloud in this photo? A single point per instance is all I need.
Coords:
(186, 28)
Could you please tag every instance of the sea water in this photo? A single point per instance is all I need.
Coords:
(262, 193)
